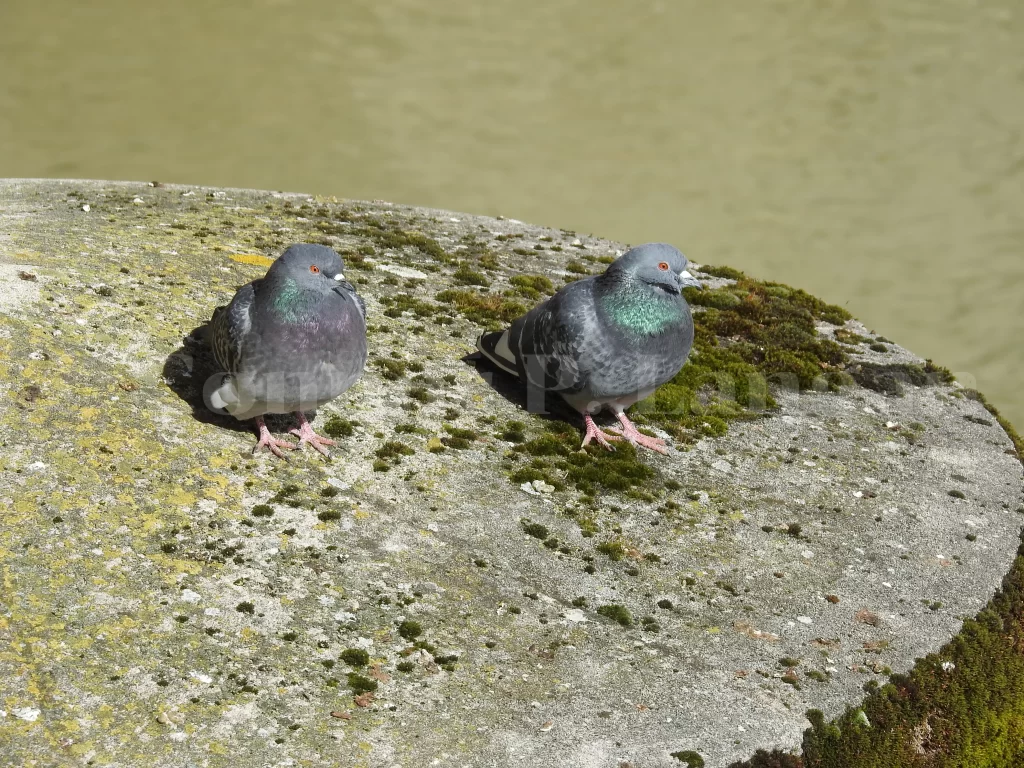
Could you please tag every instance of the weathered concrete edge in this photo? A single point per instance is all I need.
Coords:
(978, 676)
(1008, 605)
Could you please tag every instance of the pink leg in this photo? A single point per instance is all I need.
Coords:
(269, 441)
(636, 437)
(306, 434)
(593, 433)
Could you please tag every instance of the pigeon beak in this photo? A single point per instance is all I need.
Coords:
(686, 280)
(339, 277)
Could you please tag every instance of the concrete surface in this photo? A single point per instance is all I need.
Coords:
(149, 618)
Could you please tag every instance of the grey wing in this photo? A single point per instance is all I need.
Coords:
(555, 341)
(230, 325)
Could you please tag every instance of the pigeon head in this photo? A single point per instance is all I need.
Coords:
(309, 266)
(657, 264)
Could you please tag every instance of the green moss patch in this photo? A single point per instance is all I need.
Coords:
(339, 427)
(488, 310)
(355, 657)
(393, 451)
(615, 549)
(558, 461)
(460, 433)
(389, 236)
(351, 259)
(691, 758)
(537, 530)
(750, 336)
(466, 275)
(514, 432)
(890, 379)
(360, 683)
(532, 286)
(410, 630)
(262, 510)
(400, 303)
(390, 368)
(849, 337)
(726, 272)
(616, 613)
(421, 394)
(380, 231)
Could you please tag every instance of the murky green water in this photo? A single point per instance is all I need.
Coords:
(871, 152)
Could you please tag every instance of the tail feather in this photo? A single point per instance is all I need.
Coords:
(221, 397)
(494, 346)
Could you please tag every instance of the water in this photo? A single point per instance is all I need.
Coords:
(872, 153)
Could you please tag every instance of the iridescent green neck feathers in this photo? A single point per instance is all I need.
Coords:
(642, 309)
(291, 302)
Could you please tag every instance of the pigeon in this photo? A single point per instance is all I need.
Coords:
(606, 341)
(291, 341)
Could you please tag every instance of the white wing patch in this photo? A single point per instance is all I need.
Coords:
(500, 355)
(225, 397)
(501, 349)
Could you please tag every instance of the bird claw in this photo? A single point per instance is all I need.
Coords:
(651, 443)
(307, 436)
(270, 442)
(601, 438)
(629, 432)
(274, 445)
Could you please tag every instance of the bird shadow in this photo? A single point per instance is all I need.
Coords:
(191, 368)
(537, 402)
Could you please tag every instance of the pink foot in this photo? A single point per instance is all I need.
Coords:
(595, 434)
(636, 437)
(270, 442)
(306, 434)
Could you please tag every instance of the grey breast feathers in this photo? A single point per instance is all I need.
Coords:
(351, 290)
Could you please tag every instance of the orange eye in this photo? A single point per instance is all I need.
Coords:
(663, 266)
(314, 269)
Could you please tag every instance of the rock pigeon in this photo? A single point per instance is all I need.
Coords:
(291, 341)
(605, 341)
